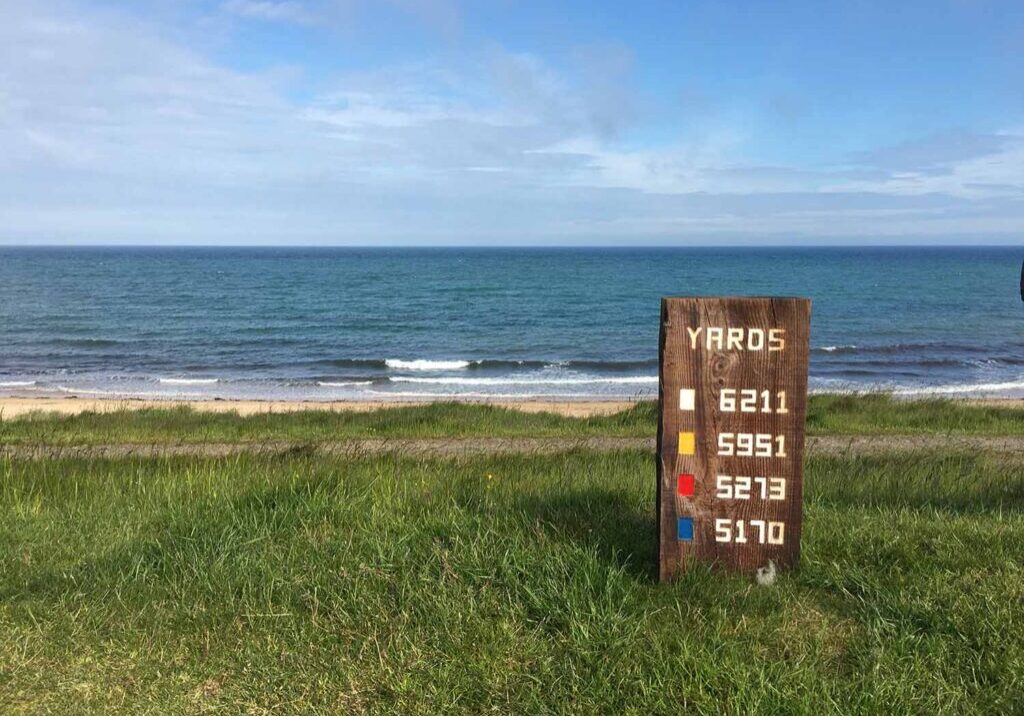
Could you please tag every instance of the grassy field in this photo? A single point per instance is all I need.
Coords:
(304, 583)
(827, 414)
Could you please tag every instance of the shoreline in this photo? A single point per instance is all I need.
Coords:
(15, 407)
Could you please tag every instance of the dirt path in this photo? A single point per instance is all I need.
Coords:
(456, 447)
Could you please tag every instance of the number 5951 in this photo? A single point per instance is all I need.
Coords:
(751, 445)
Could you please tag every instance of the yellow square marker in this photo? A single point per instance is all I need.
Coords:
(687, 443)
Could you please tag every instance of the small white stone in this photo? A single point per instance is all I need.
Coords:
(766, 575)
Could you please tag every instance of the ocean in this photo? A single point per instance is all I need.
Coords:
(352, 323)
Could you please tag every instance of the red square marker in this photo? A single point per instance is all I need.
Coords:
(685, 485)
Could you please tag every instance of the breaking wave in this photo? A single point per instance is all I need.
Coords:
(422, 364)
(527, 381)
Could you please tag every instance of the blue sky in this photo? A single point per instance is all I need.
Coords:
(497, 122)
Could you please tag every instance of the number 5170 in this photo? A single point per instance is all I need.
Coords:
(741, 532)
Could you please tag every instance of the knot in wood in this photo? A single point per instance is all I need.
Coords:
(721, 365)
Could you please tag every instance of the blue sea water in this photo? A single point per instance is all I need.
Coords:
(342, 323)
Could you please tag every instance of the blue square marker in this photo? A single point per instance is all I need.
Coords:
(684, 529)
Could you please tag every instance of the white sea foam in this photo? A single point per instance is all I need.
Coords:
(420, 364)
(618, 380)
(331, 384)
(16, 383)
(126, 394)
(189, 381)
(833, 349)
(461, 395)
(961, 389)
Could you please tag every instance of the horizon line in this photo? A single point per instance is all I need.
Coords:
(513, 246)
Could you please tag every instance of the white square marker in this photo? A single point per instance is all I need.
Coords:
(687, 397)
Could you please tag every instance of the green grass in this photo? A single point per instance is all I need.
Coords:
(514, 584)
(436, 420)
(827, 414)
(879, 413)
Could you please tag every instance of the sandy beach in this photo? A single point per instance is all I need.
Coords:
(14, 407)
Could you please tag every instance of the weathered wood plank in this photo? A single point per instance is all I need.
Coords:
(733, 398)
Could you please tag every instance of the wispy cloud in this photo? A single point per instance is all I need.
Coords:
(271, 10)
(440, 16)
(955, 164)
(110, 131)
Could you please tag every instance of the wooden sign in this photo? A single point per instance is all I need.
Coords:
(733, 397)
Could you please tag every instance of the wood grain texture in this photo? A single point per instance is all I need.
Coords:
(689, 363)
